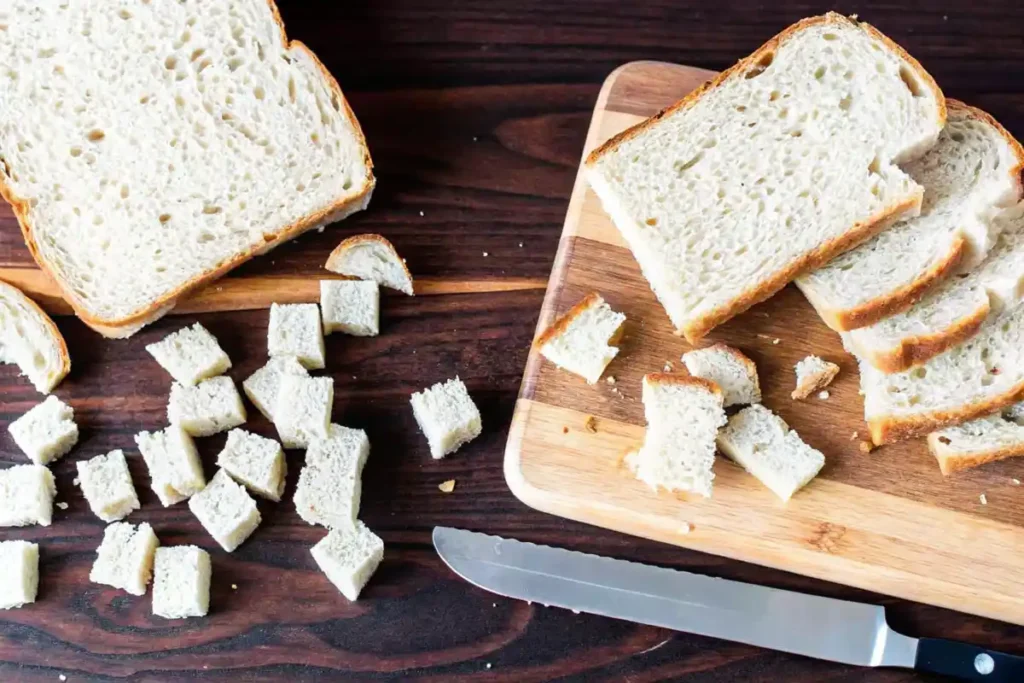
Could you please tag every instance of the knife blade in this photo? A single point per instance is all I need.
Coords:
(813, 626)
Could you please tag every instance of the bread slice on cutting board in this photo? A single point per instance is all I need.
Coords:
(771, 169)
(30, 340)
(954, 310)
(974, 443)
(148, 149)
(972, 173)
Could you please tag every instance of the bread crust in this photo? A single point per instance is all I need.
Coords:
(741, 358)
(561, 324)
(857, 234)
(683, 381)
(55, 335)
(357, 240)
(951, 461)
(126, 326)
(815, 382)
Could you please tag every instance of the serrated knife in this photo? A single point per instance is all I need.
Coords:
(823, 628)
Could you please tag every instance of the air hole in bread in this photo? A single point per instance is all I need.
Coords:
(97, 220)
(291, 90)
(830, 36)
(164, 217)
(913, 400)
(96, 135)
(761, 65)
(259, 51)
(76, 151)
(875, 167)
(845, 103)
(773, 95)
(335, 103)
(651, 221)
(741, 108)
(226, 116)
(957, 137)
(202, 65)
(185, 37)
(211, 209)
(848, 75)
(196, 54)
(682, 167)
(161, 269)
(259, 92)
(919, 373)
(170, 63)
(797, 133)
(910, 80)
(820, 72)
(235, 63)
(880, 67)
(987, 380)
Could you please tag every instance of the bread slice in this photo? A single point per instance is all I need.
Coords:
(987, 439)
(582, 341)
(973, 171)
(780, 163)
(172, 142)
(683, 416)
(734, 373)
(20, 560)
(813, 374)
(125, 557)
(47, 432)
(764, 445)
(349, 556)
(953, 311)
(371, 257)
(30, 340)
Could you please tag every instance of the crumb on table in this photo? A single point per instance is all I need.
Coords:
(591, 424)
(983, 498)
(447, 486)
(866, 446)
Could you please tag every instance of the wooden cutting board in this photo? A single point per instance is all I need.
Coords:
(885, 521)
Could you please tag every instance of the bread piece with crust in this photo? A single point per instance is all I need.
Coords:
(813, 374)
(733, 372)
(30, 340)
(974, 443)
(582, 341)
(371, 257)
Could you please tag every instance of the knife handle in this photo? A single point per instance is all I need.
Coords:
(967, 662)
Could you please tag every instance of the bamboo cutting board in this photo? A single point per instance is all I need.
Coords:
(886, 521)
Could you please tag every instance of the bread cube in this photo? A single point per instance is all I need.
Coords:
(214, 405)
(181, 582)
(350, 306)
(255, 462)
(262, 386)
(46, 432)
(330, 485)
(26, 496)
(295, 331)
(226, 511)
(447, 416)
(125, 557)
(303, 409)
(583, 341)
(190, 355)
(20, 584)
(173, 464)
(349, 557)
(107, 486)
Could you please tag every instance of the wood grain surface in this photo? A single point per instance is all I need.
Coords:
(476, 113)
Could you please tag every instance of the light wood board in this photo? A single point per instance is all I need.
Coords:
(885, 521)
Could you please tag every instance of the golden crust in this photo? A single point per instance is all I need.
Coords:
(815, 382)
(951, 461)
(682, 380)
(55, 336)
(561, 324)
(741, 358)
(128, 325)
(357, 240)
(857, 234)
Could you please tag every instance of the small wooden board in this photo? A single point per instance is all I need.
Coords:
(885, 521)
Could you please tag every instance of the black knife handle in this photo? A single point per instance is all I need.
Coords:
(967, 662)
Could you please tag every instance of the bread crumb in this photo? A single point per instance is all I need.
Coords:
(62, 677)
(447, 486)
(494, 604)
(1016, 482)
(591, 424)
(565, 430)
(983, 498)
(234, 586)
(62, 506)
(520, 245)
(611, 379)
(76, 481)
(824, 395)
(668, 366)
(474, 138)
(486, 254)
(489, 665)
(776, 341)
(853, 437)
(866, 446)
(685, 528)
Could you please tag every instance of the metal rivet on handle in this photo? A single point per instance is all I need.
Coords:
(984, 664)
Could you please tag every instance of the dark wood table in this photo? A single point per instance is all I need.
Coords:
(475, 113)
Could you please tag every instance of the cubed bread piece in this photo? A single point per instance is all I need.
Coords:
(191, 354)
(256, 462)
(125, 557)
(46, 432)
(583, 340)
(813, 374)
(214, 405)
(181, 582)
(349, 556)
(330, 485)
(262, 386)
(26, 496)
(226, 511)
(447, 416)
(733, 372)
(107, 486)
(303, 409)
(295, 330)
(173, 464)
(20, 584)
(350, 306)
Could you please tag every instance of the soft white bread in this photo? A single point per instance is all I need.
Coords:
(46, 432)
(26, 496)
(30, 340)
(447, 416)
(173, 461)
(125, 557)
(371, 257)
(987, 439)
(330, 485)
(349, 557)
(226, 511)
(295, 330)
(172, 142)
(303, 409)
(763, 444)
(350, 306)
(262, 386)
(813, 374)
(954, 310)
(733, 372)
(973, 171)
(780, 163)
(683, 416)
(583, 340)
(20, 560)
(210, 407)
(181, 582)
(107, 486)
(255, 462)
(190, 355)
